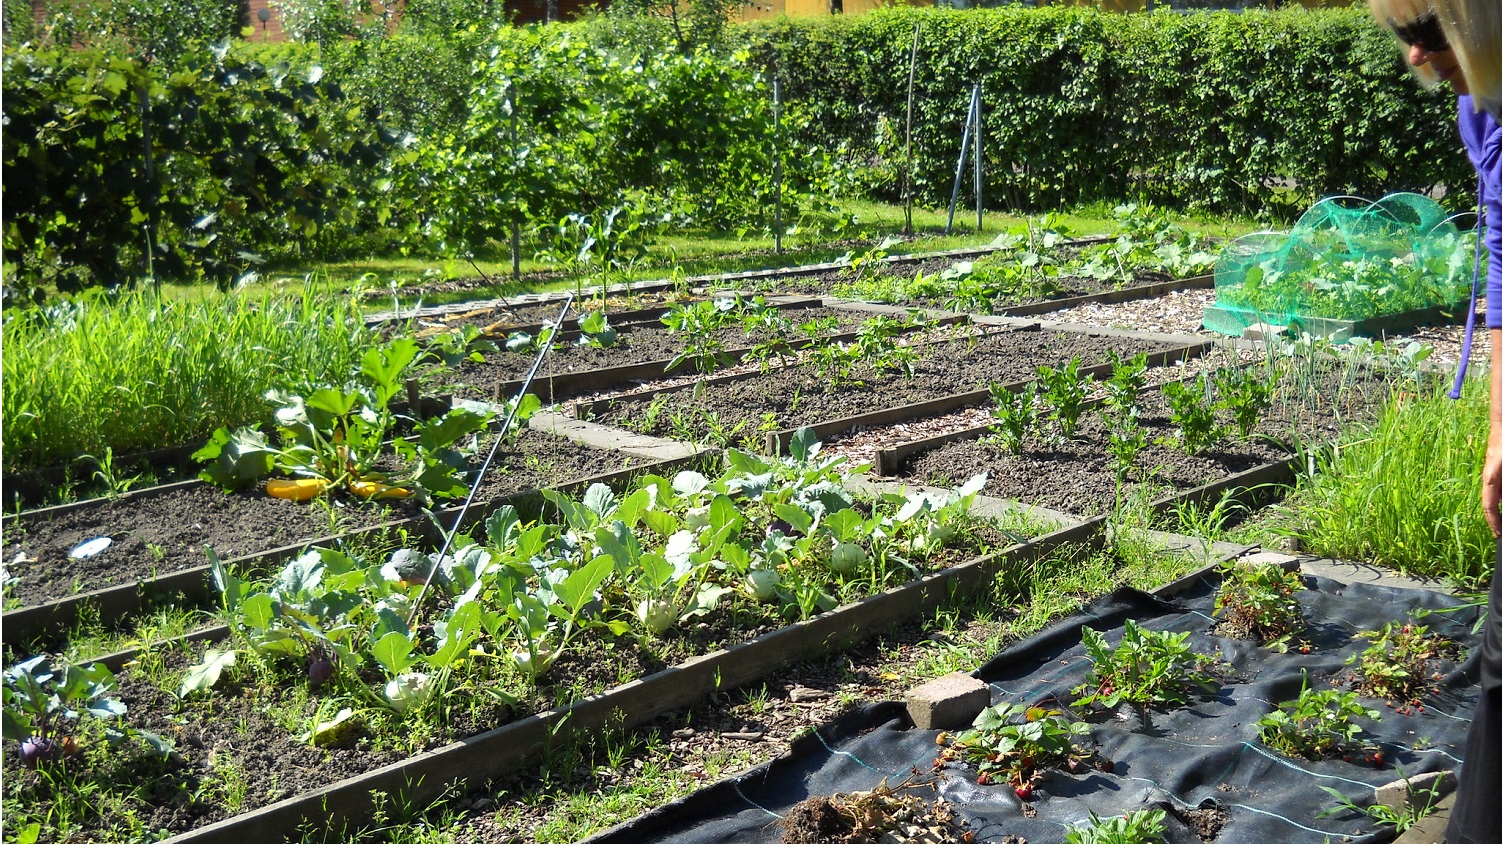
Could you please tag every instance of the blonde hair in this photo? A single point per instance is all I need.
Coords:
(1472, 30)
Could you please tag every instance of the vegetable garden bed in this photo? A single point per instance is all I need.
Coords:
(164, 530)
(809, 393)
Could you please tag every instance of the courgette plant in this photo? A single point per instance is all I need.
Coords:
(336, 436)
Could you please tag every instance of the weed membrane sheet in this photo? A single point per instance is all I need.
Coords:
(1199, 761)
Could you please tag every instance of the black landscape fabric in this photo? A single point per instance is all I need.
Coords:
(1199, 757)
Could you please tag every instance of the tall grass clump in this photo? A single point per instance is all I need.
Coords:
(131, 372)
(1405, 492)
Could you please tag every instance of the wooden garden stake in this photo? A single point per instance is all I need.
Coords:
(777, 174)
(908, 142)
(516, 227)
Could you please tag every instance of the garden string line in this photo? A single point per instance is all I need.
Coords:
(506, 426)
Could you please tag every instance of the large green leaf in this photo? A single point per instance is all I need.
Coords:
(394, 652)
(205, 675)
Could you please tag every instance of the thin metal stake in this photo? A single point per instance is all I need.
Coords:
(955, 188)
(506, 426)
(976, 148)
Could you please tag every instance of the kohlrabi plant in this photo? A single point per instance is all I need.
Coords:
(46, 704)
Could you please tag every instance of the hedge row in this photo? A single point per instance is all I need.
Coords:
(1218, 110)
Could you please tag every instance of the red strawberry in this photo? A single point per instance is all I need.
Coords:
(984, 778)
(1024, 792)
(1105, 766)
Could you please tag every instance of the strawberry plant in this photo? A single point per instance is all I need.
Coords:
(1258, 602)
(1319, 724)
(1015, 743)
(1398, 665)
(1147, 667)
(1145, 826)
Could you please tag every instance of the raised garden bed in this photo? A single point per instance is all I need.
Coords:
(802, 395)
(159, 535)
(1079, 475)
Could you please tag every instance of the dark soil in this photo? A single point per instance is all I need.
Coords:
(800, 395)
(636, 344)
(167, 530)
(1207, 822)
(881, 815)
(1079, 476)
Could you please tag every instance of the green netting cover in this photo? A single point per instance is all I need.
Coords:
(1346, 259)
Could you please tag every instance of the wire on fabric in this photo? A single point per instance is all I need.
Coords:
(506, 426)
(1472, 306)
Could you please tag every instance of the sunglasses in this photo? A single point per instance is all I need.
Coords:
(1423, 32)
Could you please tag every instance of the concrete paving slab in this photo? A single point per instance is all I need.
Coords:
(616, 439)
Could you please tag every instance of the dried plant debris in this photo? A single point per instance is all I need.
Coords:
(884, 815)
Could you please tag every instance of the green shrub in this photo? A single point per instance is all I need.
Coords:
(1248, 112)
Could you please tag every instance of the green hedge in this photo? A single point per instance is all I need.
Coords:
(1218, 110)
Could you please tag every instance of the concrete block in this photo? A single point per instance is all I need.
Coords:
(1397, 794)
(1271, 558)
(951, 702)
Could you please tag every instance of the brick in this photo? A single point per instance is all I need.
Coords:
(1396, 794)
(947, 703)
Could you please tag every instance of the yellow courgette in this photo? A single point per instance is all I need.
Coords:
(303, 489)
(376, 489)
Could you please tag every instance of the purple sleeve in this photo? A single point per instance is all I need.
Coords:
(1481, 136)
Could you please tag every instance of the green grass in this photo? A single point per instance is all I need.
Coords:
(137, 374)
(1405, 492)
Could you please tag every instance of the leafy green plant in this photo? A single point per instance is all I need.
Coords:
(466, 343)
(1247, 393)
(1147, 667)
(1064, 394)
(1144, 826)
(1398, 666)
(1126, 440)
(699, 323)
(1258, 602)
(336, 436)
(1192, 413)
(44, 704)
(1016, 743)
(596, 331)
(1319, 724)
(1014, 414)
